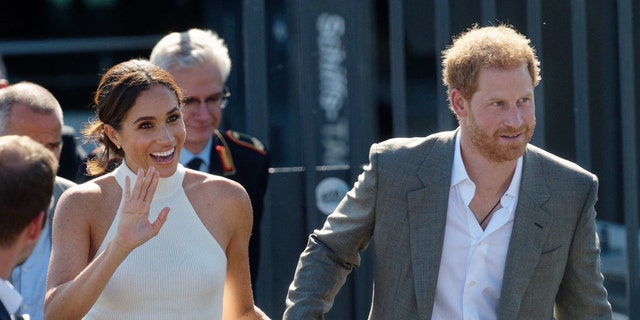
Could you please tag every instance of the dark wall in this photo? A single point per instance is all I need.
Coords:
(72, 77)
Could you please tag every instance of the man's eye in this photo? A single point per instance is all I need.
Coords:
(189, 101)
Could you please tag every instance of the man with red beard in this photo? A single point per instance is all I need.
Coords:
(475, 223)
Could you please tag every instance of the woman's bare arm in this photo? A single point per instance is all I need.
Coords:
(74, 281)
(238, 297)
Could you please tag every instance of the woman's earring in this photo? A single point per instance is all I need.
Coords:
(118, 146)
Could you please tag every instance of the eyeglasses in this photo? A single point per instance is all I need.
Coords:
(219, 100)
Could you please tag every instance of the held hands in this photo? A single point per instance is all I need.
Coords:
(134, 227)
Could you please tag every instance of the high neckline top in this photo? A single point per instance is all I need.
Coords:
(166, 186)
(178, 274)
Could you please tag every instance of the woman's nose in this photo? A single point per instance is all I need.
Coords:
(165, 134)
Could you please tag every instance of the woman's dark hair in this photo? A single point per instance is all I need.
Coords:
(117, 92)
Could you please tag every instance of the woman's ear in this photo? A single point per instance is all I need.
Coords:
(112, 134)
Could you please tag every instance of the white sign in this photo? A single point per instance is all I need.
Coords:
(329, 192)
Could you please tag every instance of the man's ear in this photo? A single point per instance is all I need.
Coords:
(458, 103)
(34, 228)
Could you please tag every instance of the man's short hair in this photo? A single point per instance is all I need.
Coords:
(500, 47)
(38, 98)
(191, 49)
(27, 172)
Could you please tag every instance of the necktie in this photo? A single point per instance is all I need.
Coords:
(194, 163)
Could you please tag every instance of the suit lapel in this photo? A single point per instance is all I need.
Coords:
(530, 229)
(427, 215)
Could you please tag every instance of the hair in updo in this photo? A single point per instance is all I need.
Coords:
(117, 92)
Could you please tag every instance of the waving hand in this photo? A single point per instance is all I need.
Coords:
(134, 227)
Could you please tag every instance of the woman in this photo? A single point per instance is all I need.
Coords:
(152, 239)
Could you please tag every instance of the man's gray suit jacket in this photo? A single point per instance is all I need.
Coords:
(400, 203)
(60, 185)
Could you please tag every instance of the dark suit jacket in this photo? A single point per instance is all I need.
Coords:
(4, 314)
(71, 156)
(400, 203)
(244, 159)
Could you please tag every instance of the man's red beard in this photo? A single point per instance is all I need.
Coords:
(489, 145)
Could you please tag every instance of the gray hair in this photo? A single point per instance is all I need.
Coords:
(33, 95)
(192, 48)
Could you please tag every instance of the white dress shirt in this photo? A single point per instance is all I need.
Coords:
(472, 262)
(30, 277)
(9, 297)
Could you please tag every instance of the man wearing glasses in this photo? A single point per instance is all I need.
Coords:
(199, 62)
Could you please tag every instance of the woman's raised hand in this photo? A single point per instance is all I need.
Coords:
(134, 227)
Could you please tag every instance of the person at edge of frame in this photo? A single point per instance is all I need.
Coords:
(27, 172)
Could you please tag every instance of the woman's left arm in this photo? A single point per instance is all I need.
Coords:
(238, 297)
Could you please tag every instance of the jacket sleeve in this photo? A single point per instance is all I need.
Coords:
(582, 294)
(333, 251)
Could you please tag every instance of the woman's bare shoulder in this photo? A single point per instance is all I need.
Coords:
(218, 198)
(210, 184)
(89, 197)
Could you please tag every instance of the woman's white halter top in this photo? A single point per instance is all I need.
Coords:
(179, 274)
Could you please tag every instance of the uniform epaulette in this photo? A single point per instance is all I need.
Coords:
(246, 141)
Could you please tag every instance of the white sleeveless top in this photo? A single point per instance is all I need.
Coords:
(178, 274)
